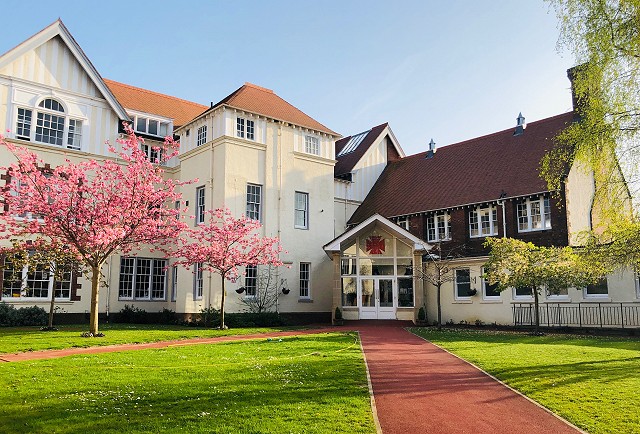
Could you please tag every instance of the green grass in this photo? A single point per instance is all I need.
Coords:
(594, 382)
(20, 339)
(304, 384)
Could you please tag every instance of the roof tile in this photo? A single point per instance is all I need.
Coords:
(473, 171)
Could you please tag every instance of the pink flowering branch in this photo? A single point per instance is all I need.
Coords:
(93, 208)
(224, 244)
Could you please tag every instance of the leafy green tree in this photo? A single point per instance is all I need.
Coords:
(604, 38)
(517, 264)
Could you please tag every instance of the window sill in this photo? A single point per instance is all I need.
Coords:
(482, 236)
(305, 300)
(462, 301)
(596, 300)
(405, 307)
(489, 301)
(526, 231)
(350, 308)
(558, 300)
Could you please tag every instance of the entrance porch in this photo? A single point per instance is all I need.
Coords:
(374, 277)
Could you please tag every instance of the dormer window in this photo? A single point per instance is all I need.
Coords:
(150, 126)
(438, 226)
(52, 125)
(311, 145)
(534, 214)
(483, 222)
(245, 128)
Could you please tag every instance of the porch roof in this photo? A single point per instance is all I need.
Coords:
(376, 219)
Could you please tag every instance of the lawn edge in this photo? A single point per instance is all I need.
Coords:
(372, 398)
(501, 382)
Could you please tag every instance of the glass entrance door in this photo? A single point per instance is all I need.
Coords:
(378, 298)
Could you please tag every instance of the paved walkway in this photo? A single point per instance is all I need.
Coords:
(418, 387)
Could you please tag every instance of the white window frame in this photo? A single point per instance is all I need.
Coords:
(24, 278)
(70, 133)
(522, 297)
(245, 128)
(484, 289)
(304, 210)
(250, 281)
(202, 135)
(433, 221)
(596, 296)
(200, 205)
(155, 263)
(254, 198)
(475, 221)
(312, 145)
(198, 281)
(403, 222)
(455, 284)
(174, 283)
(551, 296)
(523, 210)
(136, 118)
(305, 280)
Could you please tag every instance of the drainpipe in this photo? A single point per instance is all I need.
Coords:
(502, 201)
(210, 197)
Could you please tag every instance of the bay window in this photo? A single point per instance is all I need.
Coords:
(51, 127)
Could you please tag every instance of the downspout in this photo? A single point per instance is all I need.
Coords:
(502, 203)
(211, 198)
(279, 175)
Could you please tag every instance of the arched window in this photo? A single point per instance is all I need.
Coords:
(52, 126)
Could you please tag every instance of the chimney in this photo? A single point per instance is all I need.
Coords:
(520, 125)
(576, 100)
(432, 149)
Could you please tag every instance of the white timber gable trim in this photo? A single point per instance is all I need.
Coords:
(58, 29)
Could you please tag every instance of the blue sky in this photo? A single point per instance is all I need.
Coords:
(449, 70)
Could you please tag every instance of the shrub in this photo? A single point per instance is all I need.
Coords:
(422, 315)
(262, 319)
(167, 316)
(25, 316)
(338, 314)
(132, 314)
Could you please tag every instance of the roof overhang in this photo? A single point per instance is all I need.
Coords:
(57, 28)
(376, 220)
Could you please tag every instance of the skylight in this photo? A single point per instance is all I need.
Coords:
(353, 143)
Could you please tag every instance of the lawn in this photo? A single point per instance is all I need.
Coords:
(304, 384)
(593, 382)
(18, 339)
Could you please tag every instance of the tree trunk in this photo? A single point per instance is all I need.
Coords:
(222, 306)
(95, 286)
(439, 308)
(537, 310)
(52, 306)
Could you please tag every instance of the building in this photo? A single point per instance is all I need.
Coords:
(258, 155)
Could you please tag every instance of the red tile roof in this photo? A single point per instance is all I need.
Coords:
(135, 98)
(262, 101)
(346, 162)
(473, 171)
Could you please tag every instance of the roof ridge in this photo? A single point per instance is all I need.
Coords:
(255, 86)
(422, 153)
(155, 93)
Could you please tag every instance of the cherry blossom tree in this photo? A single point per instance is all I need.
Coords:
(224, 244)
(92, 208)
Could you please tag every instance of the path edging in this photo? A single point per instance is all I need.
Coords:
(372, 398)
(501, 382)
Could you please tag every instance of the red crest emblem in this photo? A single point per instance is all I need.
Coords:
(375, 245)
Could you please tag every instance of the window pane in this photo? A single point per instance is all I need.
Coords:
(254, 199)
(126, 277)
(301, 210)
(463, 282)
(143, 278)
(376, 267)
(75, 134)
(349, 291)
(49, 129)
(348, 266)
(523, 217)
(23, 128)
(473, 223)
(240, 127)
(202, 135)
(490, 290)
(153, 127)
(311, 145)
(200, 205)
(600, 288)
(250, 130)
(305, 270)
(164, 129)
(523, 292)
(251, 280)
(141, 125)
(405, 267)
(159, 278)
(547, 213)
(405, 292)
(368, 300)
(536, 218)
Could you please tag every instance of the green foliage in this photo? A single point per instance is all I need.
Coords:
(305, 384)
(132, 314)
(168, 316)
(24, 316)
(604, 37)
(515, 263)
(590, 381)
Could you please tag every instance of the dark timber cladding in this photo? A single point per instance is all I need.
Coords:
(471, 172)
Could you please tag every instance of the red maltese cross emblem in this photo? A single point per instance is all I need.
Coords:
(375, 245)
